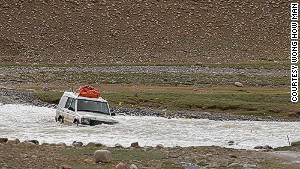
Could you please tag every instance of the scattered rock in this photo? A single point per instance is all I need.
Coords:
(103, 156)
(133, 166)
(15, 141)
(118, 145)
(121, 166)
(3, 140)
(238, 84)
(232, 156)
(61, 144)
(234, 165)
(267, 147)
(32, 141)
(231, 142)
(28, 143)
(65, 167)
(135, 145)
(258, 147)
(91, 144)
(77, 144)
(88, 161)
(159, 146)
(249, 166)
(295, 144)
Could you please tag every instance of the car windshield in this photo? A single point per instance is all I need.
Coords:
(92, 106)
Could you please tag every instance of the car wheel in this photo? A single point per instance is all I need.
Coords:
(60, 119)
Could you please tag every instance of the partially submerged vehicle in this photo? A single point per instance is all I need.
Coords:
(86, 106)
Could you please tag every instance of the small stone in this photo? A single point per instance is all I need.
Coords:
(118, 145)
(267, 147)
(103, 156)
(133, 166)
(135, 145)
(31, 141)
(238, 84)
(61, 144)
(234, 165)
(159, 146)
(258, 147)
(232, 156)
(249, 166)
(88, 161)
(77, 144)
(121, 166)
(15, 141)
(65, 167)
(28, 143)
(91, 144)
(3, 140)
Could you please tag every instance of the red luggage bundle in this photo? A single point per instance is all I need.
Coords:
(88, 91)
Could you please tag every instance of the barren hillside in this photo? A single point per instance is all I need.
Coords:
(148, 31)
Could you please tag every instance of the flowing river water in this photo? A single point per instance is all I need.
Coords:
(31, 122)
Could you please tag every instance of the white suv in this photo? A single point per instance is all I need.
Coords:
(83, 110)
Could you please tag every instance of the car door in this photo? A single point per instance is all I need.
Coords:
(69, 109)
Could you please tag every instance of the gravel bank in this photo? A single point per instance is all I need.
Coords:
(145, 70)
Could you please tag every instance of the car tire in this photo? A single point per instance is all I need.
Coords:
(60, 119)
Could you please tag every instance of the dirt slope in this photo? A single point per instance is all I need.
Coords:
(148, 31)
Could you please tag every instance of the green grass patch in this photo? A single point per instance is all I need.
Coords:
(276, 65)
(255, 64)
(163, 79)
(287, 148)
(267, 164)
(50, 97)
(276, 105)
(269, 104)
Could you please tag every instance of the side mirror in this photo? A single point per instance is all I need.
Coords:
(112, 114)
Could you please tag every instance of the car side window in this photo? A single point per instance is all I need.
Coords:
(70, 104)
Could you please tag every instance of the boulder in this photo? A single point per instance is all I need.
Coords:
(15, 141)
(238, 84)
(135, 145)
(3, 140)
(103, 156)
(121, 166)
(133, 166)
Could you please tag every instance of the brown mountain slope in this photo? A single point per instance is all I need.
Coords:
(148, 31)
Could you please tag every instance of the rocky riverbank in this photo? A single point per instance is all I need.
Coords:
(30, 154)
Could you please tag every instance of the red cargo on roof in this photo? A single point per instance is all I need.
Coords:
(88, 91)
